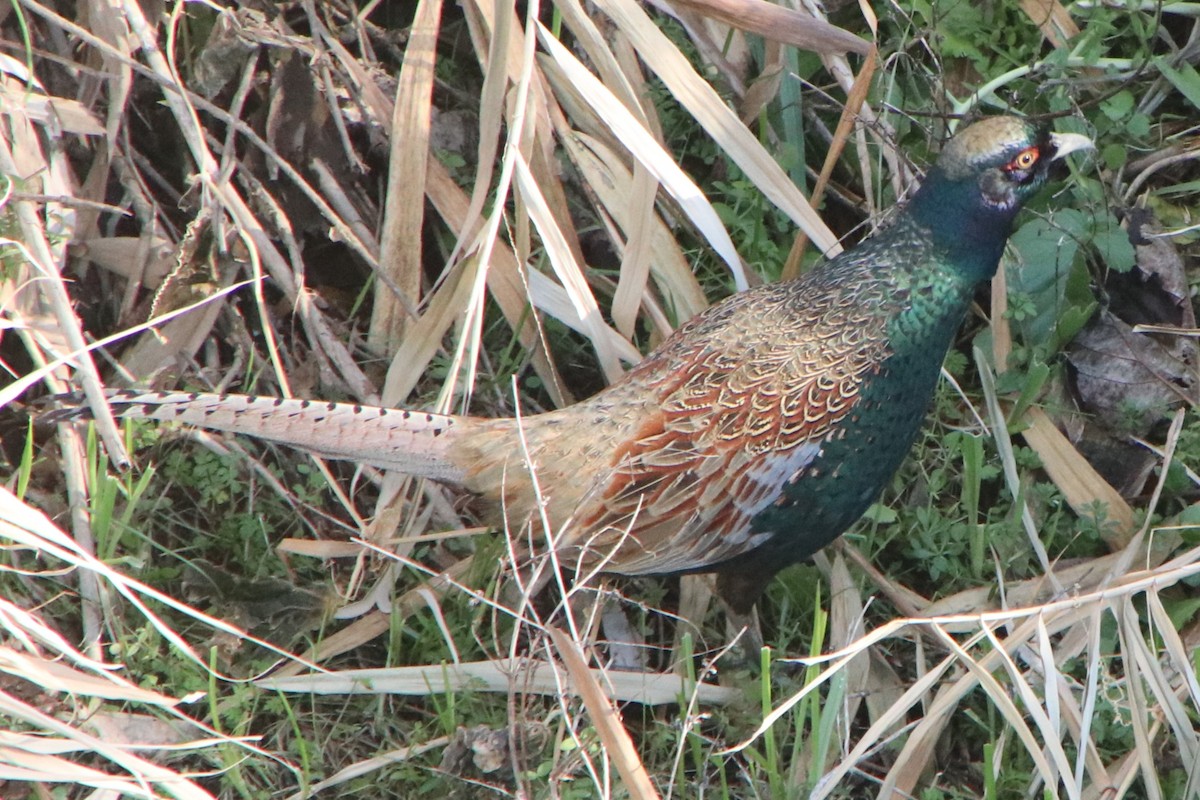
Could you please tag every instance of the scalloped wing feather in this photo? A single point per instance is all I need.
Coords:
(727, 432)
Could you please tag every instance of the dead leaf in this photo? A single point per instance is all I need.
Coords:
(1130, 380)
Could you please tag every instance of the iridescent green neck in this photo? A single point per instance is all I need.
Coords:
(970, 233)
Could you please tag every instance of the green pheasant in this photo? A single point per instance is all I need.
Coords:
(753, 436)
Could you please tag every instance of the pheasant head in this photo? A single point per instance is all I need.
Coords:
(980, 181)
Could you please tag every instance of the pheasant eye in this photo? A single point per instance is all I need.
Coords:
(1025, 159)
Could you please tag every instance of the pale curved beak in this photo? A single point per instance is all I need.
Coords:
(1067, 143)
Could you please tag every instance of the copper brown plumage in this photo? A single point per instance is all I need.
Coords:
(754, 435)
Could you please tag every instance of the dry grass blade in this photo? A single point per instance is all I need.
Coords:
(606, 719)
(525, 675)
(1054, 683)
(1160, 674)
(846, 122)
(1088, 758)
(635, 213)
(371, 624)
(28, 755)
(26, 759)
(56, 677)
(1082, 577)
(780, 24)
(721, 123)
(400, 244)
(908, 602)
(1078, 480)
(1028, 628)
(369, 765)
(423, 337)
(1177, 655)
(613, 184)
(366, 628)
(635, 264)
(557, 301)
(29, 528)
(884, 726)
(1053, 19)
(919, 749)
(1144, 727)
(1048, 769)
(1050, 756)
(528, 121)
(1002, 342)
(47, 660)
(846, 615)
(44, 305)
(249, 227)
(568, 271)
(504, 280)
(642, 145)
(12, 391)
(178, 339)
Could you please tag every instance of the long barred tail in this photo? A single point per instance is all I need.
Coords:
(414, 442)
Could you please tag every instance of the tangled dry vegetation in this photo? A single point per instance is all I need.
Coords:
(480, 206)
